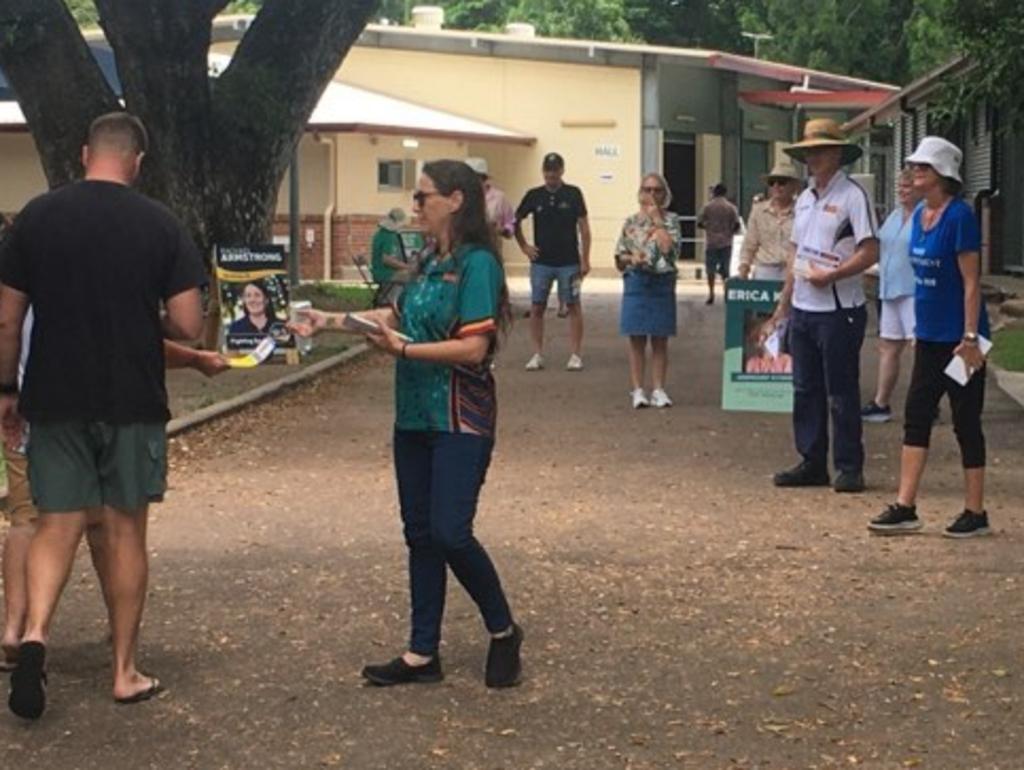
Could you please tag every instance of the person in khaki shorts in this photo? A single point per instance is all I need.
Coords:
(108, 274)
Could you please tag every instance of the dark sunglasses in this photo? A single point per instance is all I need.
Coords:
(420, 196)
(918, 166)
(778, 182)
(652, 190)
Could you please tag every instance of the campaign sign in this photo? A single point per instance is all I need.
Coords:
(253, 284)
(757, 371)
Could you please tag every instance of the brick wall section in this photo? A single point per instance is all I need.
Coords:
(352, 234)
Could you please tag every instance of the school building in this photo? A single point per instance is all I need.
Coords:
(405, 95)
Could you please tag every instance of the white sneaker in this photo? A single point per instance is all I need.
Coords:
(660, 399)
(535, 363)
(575, 363)
(639, 399)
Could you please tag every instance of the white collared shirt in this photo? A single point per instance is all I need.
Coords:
(834, 221)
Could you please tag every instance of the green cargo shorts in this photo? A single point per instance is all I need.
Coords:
(73, 466)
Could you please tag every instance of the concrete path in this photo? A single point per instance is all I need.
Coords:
(680, 612)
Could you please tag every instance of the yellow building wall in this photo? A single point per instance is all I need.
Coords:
(22, 172)
(589, 114)
(709, 172)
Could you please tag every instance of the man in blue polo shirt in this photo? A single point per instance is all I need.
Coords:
(835, 239)
(560, 252)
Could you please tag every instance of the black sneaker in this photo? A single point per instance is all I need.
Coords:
(896, 520)
(504, 666)
(875, 413)
(28, 682)
(398, 671)
(802, 475)
(849, 481)
(969, 524)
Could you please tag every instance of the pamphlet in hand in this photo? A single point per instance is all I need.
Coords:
(354, 322)
(807, 257)
(773, 342)
(254, 357)
(958, 370)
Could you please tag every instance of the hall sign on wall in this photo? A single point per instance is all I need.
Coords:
(611, 151)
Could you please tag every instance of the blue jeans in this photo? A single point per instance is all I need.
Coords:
(439, 480)
(826, 379)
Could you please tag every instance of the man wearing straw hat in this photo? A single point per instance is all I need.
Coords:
(835, 237)
(767, 244)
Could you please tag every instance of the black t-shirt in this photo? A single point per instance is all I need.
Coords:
(96, 259)
(555, 217)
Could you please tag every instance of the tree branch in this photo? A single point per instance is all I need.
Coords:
(161, 50)
(41, 36)
(264, 98)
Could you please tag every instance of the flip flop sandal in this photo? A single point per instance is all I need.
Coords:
(143, 695)
(28, 683)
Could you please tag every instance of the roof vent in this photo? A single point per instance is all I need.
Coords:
(520, 29)
(427, 17)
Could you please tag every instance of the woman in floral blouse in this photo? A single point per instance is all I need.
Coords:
(646, 254)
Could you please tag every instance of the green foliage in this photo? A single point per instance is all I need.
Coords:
(930, 40)
(84, 11)
(991, 34)
(589, 19)
(1008, 349)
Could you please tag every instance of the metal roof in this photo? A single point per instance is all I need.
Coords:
(342, 108)
(475, 43)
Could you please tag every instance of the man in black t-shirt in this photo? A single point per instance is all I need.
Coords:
(560, 252)
(96, 261)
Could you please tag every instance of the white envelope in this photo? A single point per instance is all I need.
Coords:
(957, 369)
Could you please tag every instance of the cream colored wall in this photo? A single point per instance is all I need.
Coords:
(358, 155)
(709, 172)
(314, 179)
(23, 177)
(570, 109)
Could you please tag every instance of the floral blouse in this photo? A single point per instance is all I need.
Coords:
(638, 236)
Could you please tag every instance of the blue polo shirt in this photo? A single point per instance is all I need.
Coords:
(939, 286)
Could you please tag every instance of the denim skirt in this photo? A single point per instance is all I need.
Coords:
(648, 304)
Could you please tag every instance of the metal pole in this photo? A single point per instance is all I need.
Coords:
(294, 220)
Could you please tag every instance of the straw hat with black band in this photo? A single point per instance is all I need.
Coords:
(823, 132)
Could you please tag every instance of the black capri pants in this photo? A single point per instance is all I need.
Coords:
(927, 384)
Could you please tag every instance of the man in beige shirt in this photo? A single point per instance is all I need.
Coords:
(767, 245)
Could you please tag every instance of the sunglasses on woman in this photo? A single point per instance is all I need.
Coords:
(652, 190)
(777, 182)
(420, 196)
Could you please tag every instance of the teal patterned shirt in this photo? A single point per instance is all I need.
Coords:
(453, 296)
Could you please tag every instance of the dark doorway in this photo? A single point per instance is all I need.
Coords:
(679, 166)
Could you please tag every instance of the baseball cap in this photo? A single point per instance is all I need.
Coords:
(479, 165)
(553, 161)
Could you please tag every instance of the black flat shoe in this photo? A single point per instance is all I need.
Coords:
(28, 682)
(849, 482)
(803, 475)
(398, 671)
(504, 665)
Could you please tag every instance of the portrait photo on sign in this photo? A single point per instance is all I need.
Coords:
(254, 297)
(763, 345)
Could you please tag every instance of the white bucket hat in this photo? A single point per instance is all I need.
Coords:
(479, 165)
(945, 157)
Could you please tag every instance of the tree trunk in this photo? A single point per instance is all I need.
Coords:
(59, 85)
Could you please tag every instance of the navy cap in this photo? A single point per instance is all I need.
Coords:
(553, 161)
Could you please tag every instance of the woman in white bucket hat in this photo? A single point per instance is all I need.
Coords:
(950, 321)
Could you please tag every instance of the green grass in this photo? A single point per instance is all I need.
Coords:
(334, 296)
(1008, 350)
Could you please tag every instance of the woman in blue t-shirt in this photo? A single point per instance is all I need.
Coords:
(950, 321)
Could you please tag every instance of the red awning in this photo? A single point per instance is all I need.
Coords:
(840, 99)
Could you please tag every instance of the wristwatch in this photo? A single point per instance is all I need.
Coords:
(971, 338)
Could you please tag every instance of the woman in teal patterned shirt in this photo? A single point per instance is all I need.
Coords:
(443, 331)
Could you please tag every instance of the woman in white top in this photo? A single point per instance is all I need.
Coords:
(896, 292)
